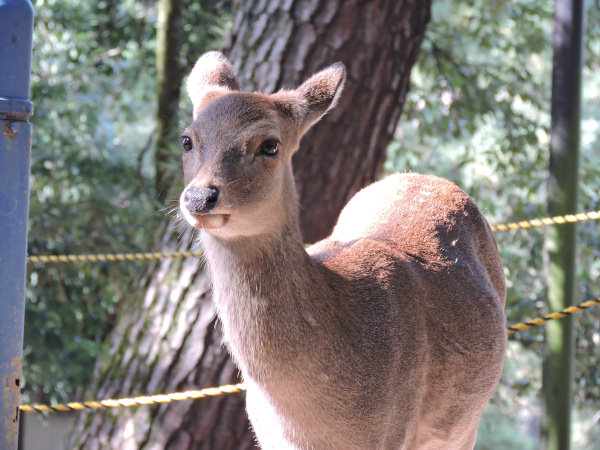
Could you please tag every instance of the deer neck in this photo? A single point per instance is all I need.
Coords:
(263, 291)
(255, 266)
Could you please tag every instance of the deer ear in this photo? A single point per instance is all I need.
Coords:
(321, 92)
(212, 72)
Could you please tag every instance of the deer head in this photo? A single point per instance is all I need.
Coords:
(237, 151)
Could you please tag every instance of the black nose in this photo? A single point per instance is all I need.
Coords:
(201, 200)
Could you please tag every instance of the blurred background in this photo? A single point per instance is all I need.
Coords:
(470, 102)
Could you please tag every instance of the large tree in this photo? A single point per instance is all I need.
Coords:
(167, 338)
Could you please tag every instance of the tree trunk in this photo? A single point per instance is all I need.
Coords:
(378, 41)
(169, 74)
(561, 241)
(168, 339)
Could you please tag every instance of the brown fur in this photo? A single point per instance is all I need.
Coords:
(388, 334)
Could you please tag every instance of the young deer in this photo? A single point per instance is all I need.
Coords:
(388, 334)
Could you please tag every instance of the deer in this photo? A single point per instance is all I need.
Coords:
(388, 334)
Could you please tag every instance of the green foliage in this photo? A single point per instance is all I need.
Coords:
(94, 90)
(498, 428)
(479, 113)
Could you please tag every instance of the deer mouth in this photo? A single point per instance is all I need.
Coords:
(208, 221)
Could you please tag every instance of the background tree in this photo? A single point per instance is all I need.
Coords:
(178, 41)
(561, 245)
(169, 73)
(168, 338)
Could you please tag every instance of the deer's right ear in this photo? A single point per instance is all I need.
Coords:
(212, 73)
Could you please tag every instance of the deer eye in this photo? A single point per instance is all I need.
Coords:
(187, 144)
(270, 147)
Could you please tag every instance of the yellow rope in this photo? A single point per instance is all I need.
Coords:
(229, 389)
(546, 221)
(136, 401)
(112, 257)
(232, 388)
(555, 315)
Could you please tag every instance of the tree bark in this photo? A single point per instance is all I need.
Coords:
(286, 42)
(168, 339)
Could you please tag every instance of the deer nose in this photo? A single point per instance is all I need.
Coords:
(201, 200)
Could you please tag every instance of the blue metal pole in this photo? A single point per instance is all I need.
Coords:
(16, 30)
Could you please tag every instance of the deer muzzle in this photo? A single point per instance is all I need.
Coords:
(200, 200)
(197, 205)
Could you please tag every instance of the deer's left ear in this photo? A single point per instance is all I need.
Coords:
(212, 73)
(322, 91)
(314, 97)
